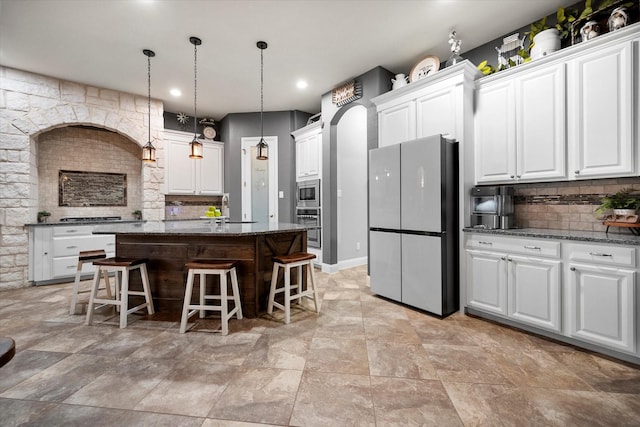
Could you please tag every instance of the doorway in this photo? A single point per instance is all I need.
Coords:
(259, 181)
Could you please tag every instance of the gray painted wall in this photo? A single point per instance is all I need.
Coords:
(233, 127)
(374, 83)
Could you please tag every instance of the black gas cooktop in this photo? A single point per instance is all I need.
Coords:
(90, 218)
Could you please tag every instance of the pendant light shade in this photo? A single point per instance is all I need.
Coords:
(195, 151)
(148, 150)
(263, 148)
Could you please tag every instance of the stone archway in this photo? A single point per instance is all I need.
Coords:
(31, 104)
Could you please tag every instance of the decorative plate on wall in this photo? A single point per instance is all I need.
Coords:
(425, 67)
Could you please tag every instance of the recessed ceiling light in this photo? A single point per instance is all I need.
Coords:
(301, 84)
(175, 92)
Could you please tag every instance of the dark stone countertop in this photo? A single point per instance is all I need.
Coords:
(198, 227)
(87, 222)
(625, 238)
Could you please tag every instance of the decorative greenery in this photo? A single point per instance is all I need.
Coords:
(43, 215)
(565, 17)
(623, 199)
(137, 214)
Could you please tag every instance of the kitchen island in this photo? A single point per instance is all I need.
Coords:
(169, 245)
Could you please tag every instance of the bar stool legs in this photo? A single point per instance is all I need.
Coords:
(221, 269)
(122, 267)
(85, 257)
(287, 262)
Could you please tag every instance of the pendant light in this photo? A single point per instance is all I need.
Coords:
(263, 148)
(149, 151)
(196, 146)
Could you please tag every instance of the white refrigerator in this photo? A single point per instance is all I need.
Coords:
(413, 223)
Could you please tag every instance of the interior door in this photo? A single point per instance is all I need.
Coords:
(259, 181)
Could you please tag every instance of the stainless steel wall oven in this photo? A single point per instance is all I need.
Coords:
(310, 217)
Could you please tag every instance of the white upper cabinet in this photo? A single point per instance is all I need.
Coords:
(520, 127)
(431, 106)
(397, 124)
(308, 152)
(600, 111)
(495, 152)
(212, 169)
(193, 176)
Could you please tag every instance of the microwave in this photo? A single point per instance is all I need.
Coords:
(492, 207)
(308, 194)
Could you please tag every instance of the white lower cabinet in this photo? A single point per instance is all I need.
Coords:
(534, 291)
(601, 298)
(524, 288)
(53, 251)
(580, 292)
(487, 281)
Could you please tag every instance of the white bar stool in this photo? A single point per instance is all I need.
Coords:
(122, 267)
(287, 262)
(221, 269)
(85, 257)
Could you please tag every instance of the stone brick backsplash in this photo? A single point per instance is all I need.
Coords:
(89, 150)
(566, 205)
(189, 207)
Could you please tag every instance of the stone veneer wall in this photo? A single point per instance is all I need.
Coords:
(566, 205)
(87, 150)
(31, 104)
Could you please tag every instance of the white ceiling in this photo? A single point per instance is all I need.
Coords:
(326, 42)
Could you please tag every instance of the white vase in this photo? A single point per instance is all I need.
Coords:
(624, 212)
(545, 42)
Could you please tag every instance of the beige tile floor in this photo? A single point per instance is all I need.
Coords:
(361, 361)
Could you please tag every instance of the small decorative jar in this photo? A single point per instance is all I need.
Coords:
(618, 19)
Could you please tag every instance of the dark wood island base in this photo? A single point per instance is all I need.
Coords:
(168, 247)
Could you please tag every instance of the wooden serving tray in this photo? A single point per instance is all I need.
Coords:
(633, 227)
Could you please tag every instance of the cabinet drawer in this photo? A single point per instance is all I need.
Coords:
(76, 230)
(514, 245)
(612, 255)
(67, 266)
(70, 246)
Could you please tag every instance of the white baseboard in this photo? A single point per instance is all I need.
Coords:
(343, 265)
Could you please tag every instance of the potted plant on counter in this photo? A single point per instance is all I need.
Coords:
(43, 216)
(137, 214)
(624, 202)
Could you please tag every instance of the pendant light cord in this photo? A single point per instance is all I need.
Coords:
(261, 94)
(195, 89)
(149, 94)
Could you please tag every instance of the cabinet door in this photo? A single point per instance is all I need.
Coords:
(487, 281)
(540, 118)
(181, 173)
(422, 272)
(384, 187)
(495, 134)
(436, 114)
(600, 306)
(601, 112)
(211, 169)
(534, 291)
(397, 124)
(40, 253)
(385, 264)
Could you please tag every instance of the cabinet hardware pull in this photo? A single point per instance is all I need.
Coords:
(503, 258)
(572, 269)
(71, 247)
(512, 176)
(509, 259)
(69, 267)
(599, 254)
(576, 172)
(518, 176)
(537, 248)
(72, 231)
(481, 242)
